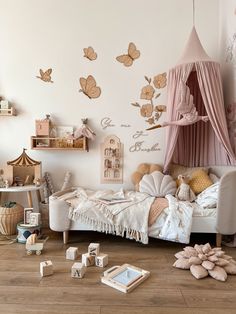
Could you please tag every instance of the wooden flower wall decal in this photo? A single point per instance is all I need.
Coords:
(45, 75)
(89, 88)
(149, 93)
(128, 59)
(90, 54)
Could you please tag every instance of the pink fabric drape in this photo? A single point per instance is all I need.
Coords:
(200, 144)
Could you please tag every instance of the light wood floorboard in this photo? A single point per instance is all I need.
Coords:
(168, 290)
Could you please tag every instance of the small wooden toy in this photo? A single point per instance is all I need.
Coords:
(5, 104)
(101, 260)
(34, 245)
(35, 219)
(94, 249)
(72, 253)
(78, 270)
(88, 260)
(46, 268)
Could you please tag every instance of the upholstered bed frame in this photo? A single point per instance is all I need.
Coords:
(223, 223)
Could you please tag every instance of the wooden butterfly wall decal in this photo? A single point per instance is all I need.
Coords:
(128, 59)
(45, 76)
(90, 54)
(89, 88)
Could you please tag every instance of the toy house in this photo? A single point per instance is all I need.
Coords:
(112, 165)
(23, 170)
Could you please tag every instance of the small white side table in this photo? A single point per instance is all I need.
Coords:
(27, 189)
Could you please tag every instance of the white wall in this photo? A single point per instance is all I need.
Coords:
(52, 33)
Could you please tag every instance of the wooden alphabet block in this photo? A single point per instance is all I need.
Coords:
(101, 260)
(88, 260)
(35, 219)
(78, 270)
(94, 249)
(72, 253)
(46, 268)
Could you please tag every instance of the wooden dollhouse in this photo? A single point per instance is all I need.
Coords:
(112, 163)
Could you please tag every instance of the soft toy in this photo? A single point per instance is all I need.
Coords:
(184, 192)
(143, 169)
(203, 260)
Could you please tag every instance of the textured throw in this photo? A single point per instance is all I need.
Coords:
(128, 219)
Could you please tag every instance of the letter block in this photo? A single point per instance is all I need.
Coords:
(101, 260)
(78, 270)
(94, 249)
(87, 259)
(46, 268)
(72, 253)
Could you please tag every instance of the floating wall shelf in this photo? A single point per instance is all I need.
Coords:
(57, 143)
(8, 112)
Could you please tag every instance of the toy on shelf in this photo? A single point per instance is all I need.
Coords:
(34, 245)
(23, 170)
(112, 160)
(6, 109)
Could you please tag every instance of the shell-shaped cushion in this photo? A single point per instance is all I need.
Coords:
(157, 184)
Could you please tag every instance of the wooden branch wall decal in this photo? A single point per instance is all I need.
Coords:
(90, 54)
(149, 93)
(89, 88)
(128, 59)
(45, 76)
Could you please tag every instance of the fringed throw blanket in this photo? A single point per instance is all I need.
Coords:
(128, 219)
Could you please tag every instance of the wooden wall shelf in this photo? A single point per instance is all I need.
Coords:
(57, 143)
(7, 112)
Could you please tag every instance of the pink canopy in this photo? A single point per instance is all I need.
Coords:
(199, 144)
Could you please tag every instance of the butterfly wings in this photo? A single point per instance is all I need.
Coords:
(45, 75)
(90, 54)
(185, 104)
(89, 88)
(127, 59)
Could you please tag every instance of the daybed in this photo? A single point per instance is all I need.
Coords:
(222, 220)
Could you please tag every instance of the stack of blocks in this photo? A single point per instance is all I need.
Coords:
(93, 257)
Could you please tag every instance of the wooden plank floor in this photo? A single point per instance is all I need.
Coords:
(168, 290)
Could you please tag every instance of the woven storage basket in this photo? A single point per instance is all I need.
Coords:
(9, 218)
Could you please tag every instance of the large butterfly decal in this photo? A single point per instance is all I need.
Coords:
(45, 76)
(90, 54)
(89, 88)
(128, 59)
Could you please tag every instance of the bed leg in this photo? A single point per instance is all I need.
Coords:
(65, 236)
(218, 239)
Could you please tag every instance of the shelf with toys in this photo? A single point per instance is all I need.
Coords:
(53, 137)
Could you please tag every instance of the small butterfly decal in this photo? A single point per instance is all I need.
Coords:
(90, 54)
(89, 88)
(127, 59)
(45, 76)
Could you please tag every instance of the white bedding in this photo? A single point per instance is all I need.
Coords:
(174, 223)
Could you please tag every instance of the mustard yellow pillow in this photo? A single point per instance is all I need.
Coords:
(199, 181)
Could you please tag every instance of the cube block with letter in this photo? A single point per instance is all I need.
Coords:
(101, 260)
(72, 253)
(46, 268)
(78, 270)
(88, 260)
(94, 249)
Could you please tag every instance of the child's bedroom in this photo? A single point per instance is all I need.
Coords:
(117, 156)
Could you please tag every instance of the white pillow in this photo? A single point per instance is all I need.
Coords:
(208, 198)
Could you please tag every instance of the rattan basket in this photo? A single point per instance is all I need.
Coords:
(9, 218)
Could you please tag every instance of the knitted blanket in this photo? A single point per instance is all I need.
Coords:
(128, 219)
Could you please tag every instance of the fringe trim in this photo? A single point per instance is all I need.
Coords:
(110, 228)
